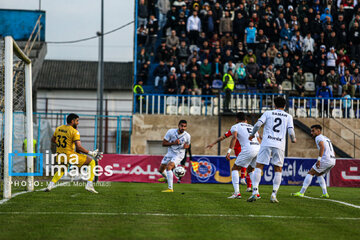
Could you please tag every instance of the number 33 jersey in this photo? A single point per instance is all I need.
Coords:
(65, 137)
(277, 122)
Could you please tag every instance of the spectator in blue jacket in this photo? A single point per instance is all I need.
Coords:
(326, 14)
(286, 35)
(324, 92)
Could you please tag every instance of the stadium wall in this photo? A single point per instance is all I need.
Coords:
(20, 23)
(216, 169)
(203, 131)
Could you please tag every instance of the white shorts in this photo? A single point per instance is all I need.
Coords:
(246, 158)
(266, 152)
(324, 167)
(174, 159)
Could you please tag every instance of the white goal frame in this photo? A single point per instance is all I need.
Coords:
(12, 48)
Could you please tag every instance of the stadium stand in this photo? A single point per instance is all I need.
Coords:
(310, 35)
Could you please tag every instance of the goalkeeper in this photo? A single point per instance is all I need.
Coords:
(66, 138)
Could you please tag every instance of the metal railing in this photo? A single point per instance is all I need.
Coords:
(207, 105)
(302, 107)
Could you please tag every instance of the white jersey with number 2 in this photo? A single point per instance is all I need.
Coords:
(329, 155)
(277, 122)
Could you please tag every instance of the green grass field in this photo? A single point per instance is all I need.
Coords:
(193, 211)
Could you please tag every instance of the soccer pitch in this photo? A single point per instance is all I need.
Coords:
(193, 211)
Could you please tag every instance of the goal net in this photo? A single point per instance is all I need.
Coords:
(16, 123)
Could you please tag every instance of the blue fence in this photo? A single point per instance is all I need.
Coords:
(247, 102)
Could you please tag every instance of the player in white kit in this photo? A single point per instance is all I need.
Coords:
(249, 151)
(177, 140)
(277, 123)
(325, 162)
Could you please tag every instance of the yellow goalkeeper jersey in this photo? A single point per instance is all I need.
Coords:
(65, 139)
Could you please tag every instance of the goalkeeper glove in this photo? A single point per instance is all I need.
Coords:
(96, 154)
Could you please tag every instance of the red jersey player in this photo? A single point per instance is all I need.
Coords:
(237, 150)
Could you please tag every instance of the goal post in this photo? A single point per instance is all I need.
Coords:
(12, 48)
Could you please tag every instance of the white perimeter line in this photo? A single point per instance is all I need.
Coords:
(171, 215)
(23, 192)
(331, 200)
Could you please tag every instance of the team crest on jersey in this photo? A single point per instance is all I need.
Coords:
(204, 171)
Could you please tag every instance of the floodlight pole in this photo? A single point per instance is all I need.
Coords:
(100, 89)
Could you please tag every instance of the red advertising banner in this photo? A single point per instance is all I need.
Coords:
(346, 173)
(136, 168)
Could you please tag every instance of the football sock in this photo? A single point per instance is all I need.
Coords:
(248, 180)
(170, 178)
(235, 180)
(92, 165)
(276, 182)
(322, 183)
(58, 175)
(163, 174)
(243, 172)
(250, 176)
(306, 183)
(256, 180)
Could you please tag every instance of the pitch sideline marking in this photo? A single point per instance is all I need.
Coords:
(337, 201)
(172, 215)
(2, 201)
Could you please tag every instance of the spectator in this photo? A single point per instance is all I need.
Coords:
(142, 57)
(309, 64)
(286, 35)
(171, 20)
(239, 26)
(297, 43)
(346, 104)
(334, 82)
(205, 70)
(348, 83)
(142, 35)
(296, 63)
(160, 73)
(250, 36)
(287, 72)
(226, 24)
(182, 68)
(279, 79)
(239, 52)
(184, 84)
(352, 66)
(229, 65)
(184, 52)
(356, 79)
(272, 52)
(240, 74)
(331, 59)
(263, 61)
(299, 82)
(324, 93)
(152, 26)
(321, 77)
(262, 42)
(170, 85)
(209, 24)
(142, 13)
(193, 27)
(143, 73)
(260, 80)
(217, 69)
(196, 84)
(309, 43)
(207, 91)
(343, 58)
(354, 37)
(270, 83)
(252, 70)
(247, 57)
(278, 61)
(164, 7)
(172, 40)
(225, 39)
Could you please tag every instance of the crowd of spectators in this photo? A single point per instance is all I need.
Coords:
(261, 44)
